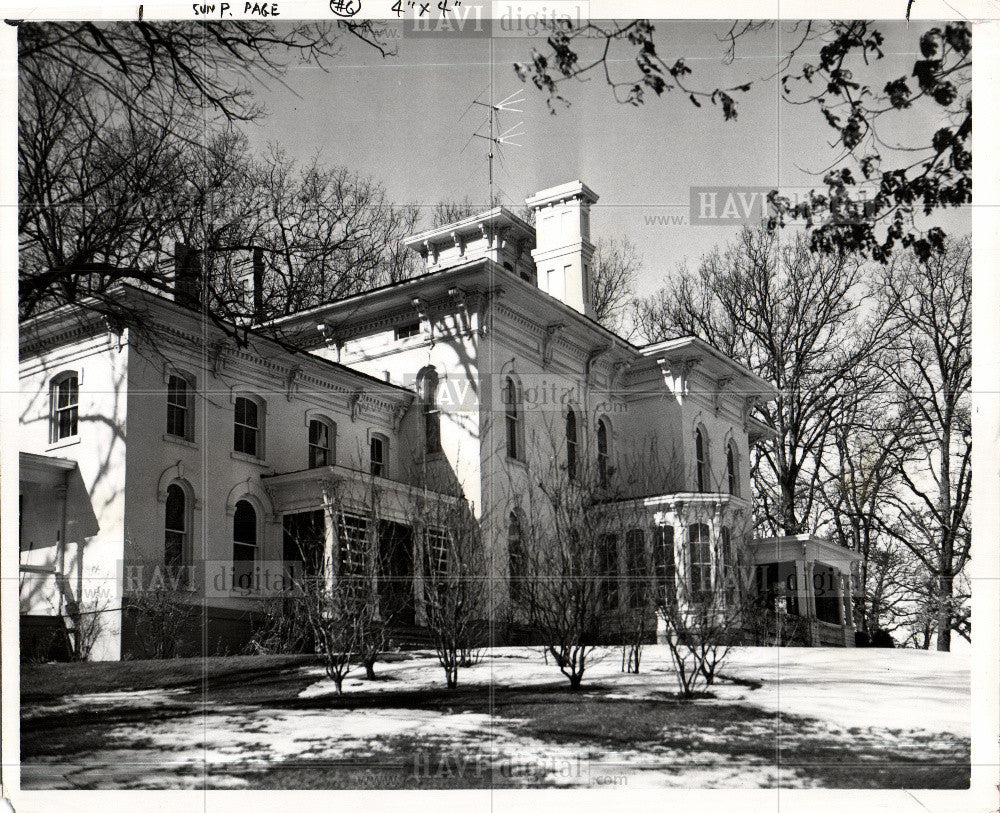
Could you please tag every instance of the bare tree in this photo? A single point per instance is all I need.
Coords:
(455, 583)
(447, 212)
(337, 611)
(702, 624)
(126, 147)
(796, 319)
(335, 581)
(929, 365)
(589, 529)
(862, 474)
(616, 265)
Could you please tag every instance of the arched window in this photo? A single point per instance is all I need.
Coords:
(175, 528)
(248, 427)
(603, 450)
(244, 544)
(431, 413)
(700, 554)
(322, 434)
(732, 470)
(65, 408)
(378, 455)
(516, 561)
(571, 443)
(180, 415)
(512, 419)
(701, 460)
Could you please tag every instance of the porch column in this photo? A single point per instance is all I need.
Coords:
(848, 601)
(802, 596)
(838, 584)
(331, 549)
(811, 588)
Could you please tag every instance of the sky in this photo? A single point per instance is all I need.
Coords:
(407, 120)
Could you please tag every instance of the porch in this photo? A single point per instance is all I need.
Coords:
(345, 523)
(804, 584)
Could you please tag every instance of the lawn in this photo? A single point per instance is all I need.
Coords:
(788, 718)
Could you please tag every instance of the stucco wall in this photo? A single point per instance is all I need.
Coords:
(99, 449)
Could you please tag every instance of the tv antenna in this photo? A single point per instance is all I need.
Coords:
(498, 137)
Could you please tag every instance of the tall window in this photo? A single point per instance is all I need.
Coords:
(516, 562)
(512, 419)
(377, 455)
(571, 444)
(607, 565)
(728, 566)
(65, 406)
(603, 451)
(246, 427)
(178, 407)
(732, 471)
(635, 568)
(321, 436)
(244, 544)
(175, 527)
(664, 565)
(700, 551)
(432, 415)
(701, 460)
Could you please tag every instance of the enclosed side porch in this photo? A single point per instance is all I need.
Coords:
(807, 583)
(343, 523)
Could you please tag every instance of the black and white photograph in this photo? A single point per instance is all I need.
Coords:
(488, 397)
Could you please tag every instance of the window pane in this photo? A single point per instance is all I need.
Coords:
(608, 567)
(571, 443)
(67, 392)
(635, 565)
(377, 455)
(245, 523)
(175, 518)
(663, 551)
(173, 555)
(515, 558)
(246, 412)
(511, 418)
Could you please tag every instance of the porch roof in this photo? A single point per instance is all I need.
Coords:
(311, 488)
(803, 546)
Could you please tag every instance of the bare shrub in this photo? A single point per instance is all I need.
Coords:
(161, 620)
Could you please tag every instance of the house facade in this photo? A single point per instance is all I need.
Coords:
(178, 452)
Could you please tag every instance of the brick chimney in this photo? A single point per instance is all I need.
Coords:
(187, 275)
(563, 251)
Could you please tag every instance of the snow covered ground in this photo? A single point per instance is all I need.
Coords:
(900, 701)
(900, 688)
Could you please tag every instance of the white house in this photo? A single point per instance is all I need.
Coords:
(172, 446)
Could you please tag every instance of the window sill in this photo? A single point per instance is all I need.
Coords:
(179, 440)
(247, 458)
(514, 461)
(62, 444)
